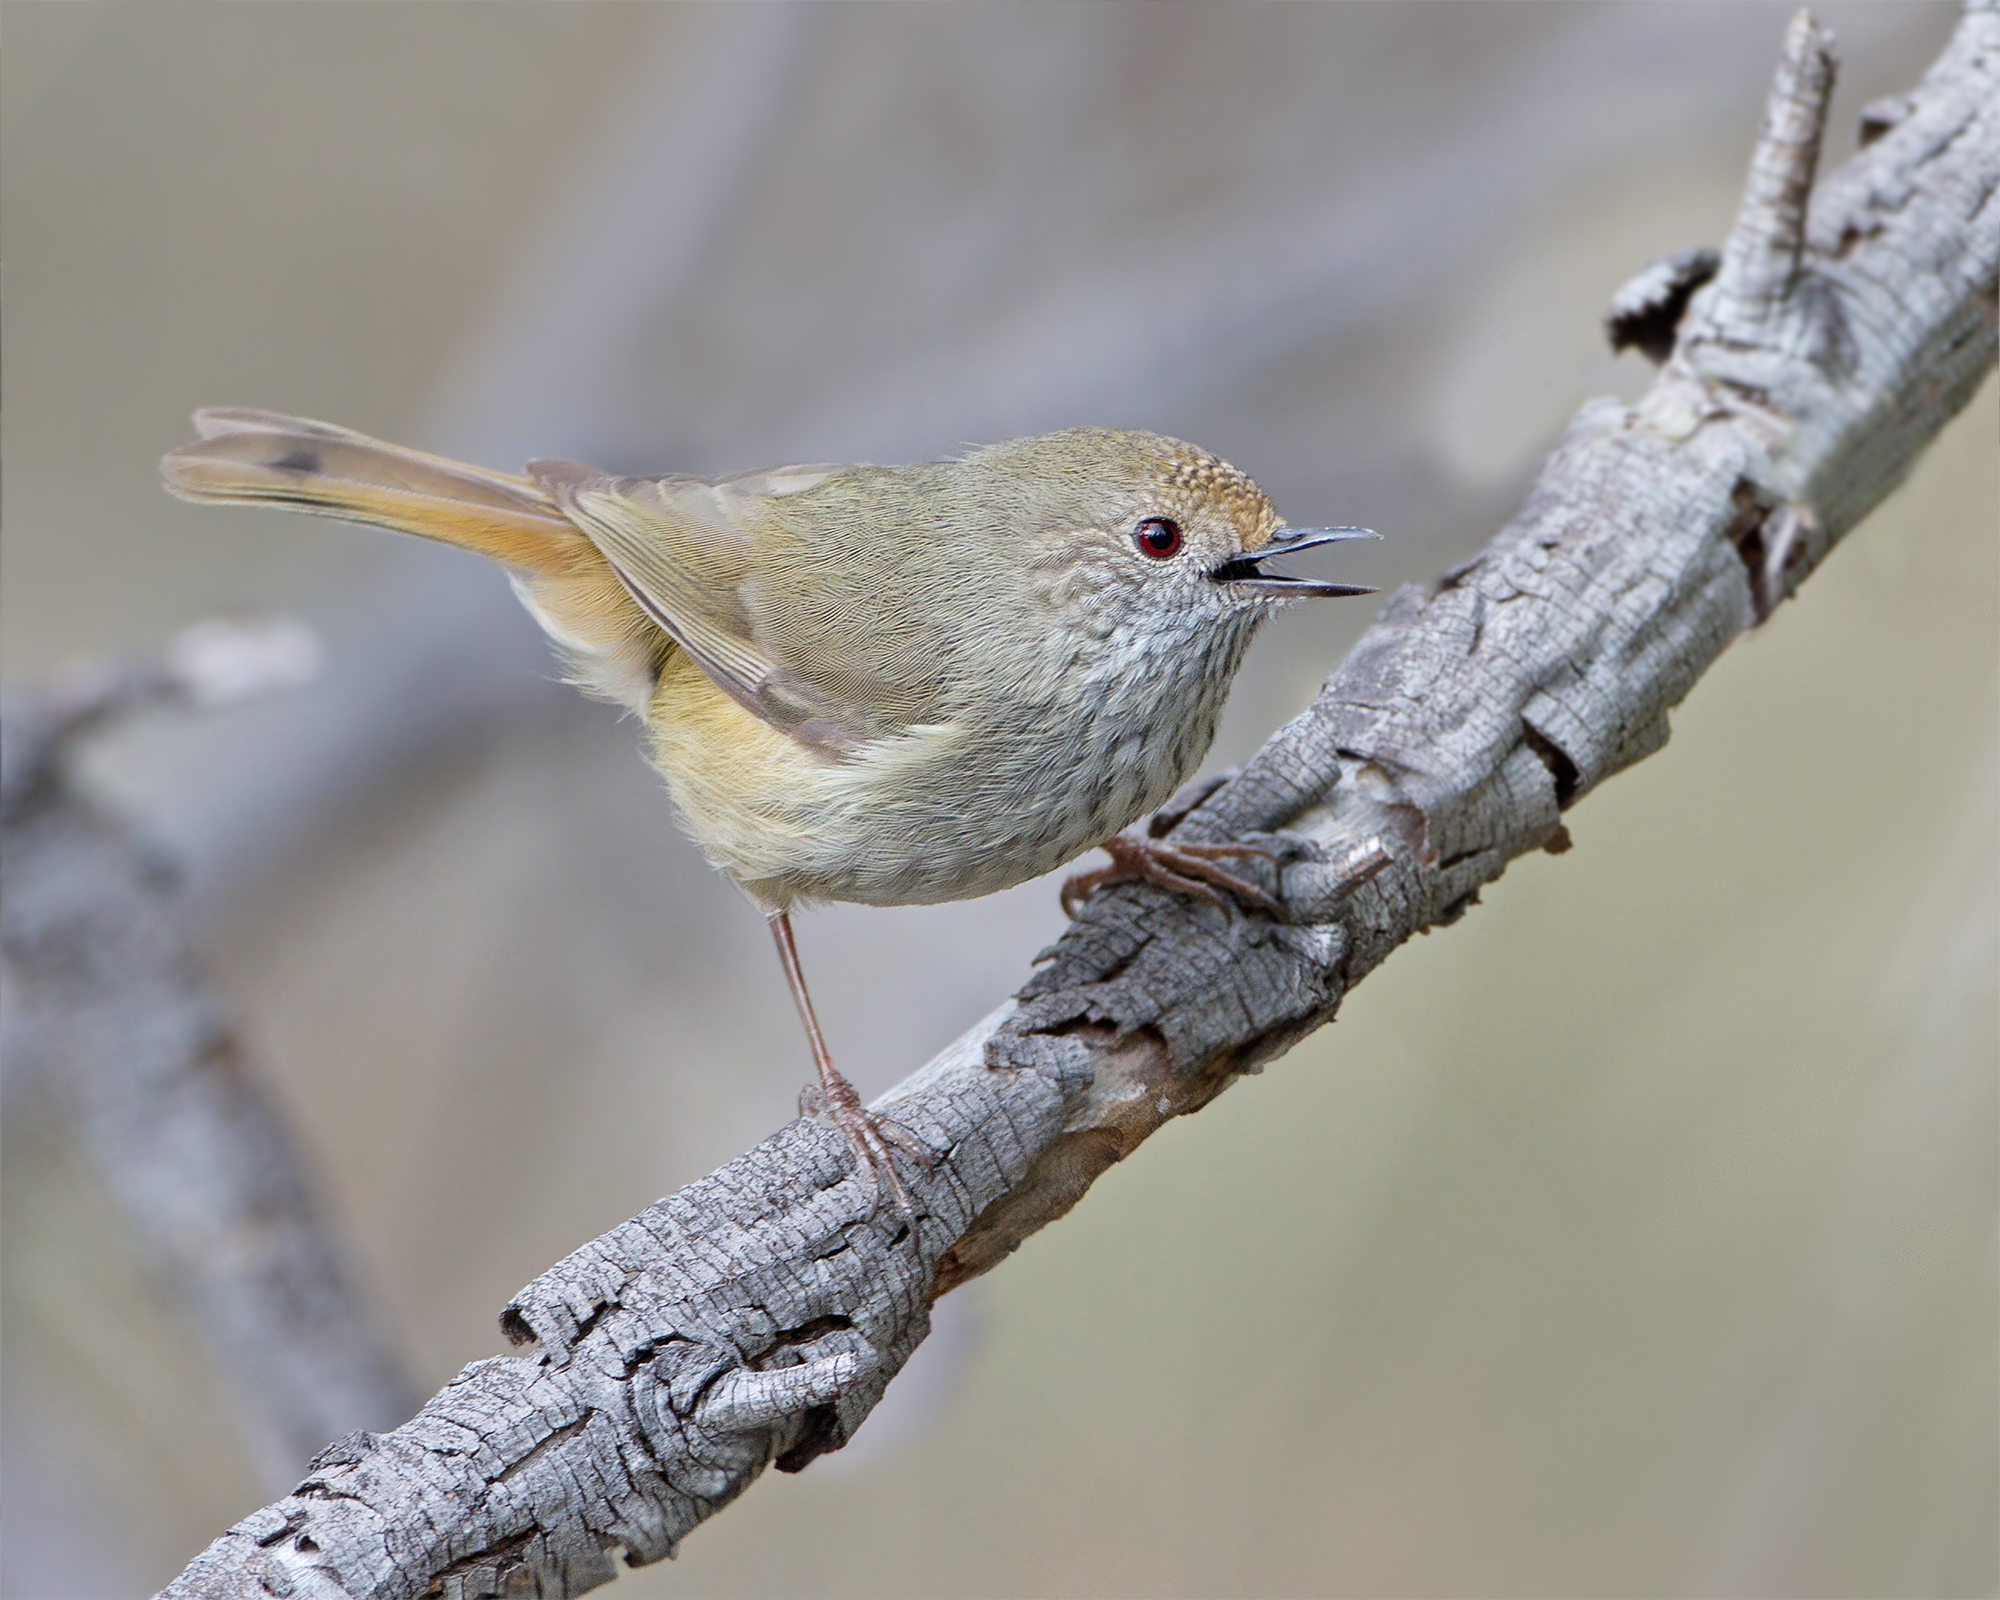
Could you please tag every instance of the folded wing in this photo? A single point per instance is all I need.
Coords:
(771, 591)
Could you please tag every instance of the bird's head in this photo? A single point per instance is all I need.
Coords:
(1130, 525)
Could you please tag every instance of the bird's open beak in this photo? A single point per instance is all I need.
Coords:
(1246, 576)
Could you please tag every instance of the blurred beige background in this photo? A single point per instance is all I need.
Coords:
(1635, 1236)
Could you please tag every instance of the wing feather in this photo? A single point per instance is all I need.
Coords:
(688, 551)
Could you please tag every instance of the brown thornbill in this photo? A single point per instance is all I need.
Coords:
(893, 685)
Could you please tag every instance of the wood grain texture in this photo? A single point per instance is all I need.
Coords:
(755, 1317)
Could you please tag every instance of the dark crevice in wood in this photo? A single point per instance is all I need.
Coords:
(1561, 768)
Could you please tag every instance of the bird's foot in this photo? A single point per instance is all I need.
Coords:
(1189, 869)
(873, 1138)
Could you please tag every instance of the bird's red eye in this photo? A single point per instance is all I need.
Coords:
(1157, 537)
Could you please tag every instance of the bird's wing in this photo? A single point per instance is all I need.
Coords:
(698, 556)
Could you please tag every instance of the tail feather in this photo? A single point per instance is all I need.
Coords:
(246, 457)
(261, 457)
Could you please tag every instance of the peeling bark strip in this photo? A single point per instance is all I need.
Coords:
(756, 1316)
(109, 999)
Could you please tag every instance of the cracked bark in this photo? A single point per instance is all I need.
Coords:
(756, 1316)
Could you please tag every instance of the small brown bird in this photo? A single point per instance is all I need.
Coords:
(892, 685)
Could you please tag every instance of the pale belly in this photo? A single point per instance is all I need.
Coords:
(939, 813)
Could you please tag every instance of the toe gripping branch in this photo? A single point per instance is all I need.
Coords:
(1194, 870)
(1197, 871)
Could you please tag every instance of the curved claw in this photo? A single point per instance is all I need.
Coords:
(873, 1138)
(1189, 869)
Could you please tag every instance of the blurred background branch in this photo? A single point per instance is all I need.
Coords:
(757, 1316)
(111, 1012)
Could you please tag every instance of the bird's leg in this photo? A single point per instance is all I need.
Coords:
(1189, 869)
(871, 1137)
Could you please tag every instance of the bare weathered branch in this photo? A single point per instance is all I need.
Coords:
(109, 997)
(755, 1317)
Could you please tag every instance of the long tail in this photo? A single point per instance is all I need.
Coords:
(261, 457)
(248, 457)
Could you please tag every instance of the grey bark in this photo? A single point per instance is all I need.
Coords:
(109, 1007)
(756, 1316)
